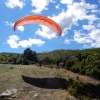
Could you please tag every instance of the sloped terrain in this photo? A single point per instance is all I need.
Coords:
(19, 82)
(29, 82)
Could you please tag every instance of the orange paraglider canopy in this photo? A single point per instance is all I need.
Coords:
(37, 19)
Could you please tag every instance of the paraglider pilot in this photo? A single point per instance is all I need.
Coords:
(57, 63)
(40, 63)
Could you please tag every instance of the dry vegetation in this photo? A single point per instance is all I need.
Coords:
(32, 83)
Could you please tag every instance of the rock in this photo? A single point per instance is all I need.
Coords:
(14, 96)
(36, 95)
(48, 95)
(8, 93)
(30, 92)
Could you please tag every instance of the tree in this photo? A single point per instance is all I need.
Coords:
(30, 55)
(14, 60)
(9, 60)
(19, 61)
(47, 60)
(25, 62)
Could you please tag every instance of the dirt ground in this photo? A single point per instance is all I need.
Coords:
(32, 83)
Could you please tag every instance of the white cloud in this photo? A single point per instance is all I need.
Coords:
(99, 1)
(57, 6)
(81, 37)
(46, 32)
(9, 23)
(95, 35)
(14, 42)
(66, 1)
(88, 27)
(21, 28)
(90, 17)
(92, 45)
(99, 11)
(80, 11)
(98, 25)
(15, 3)
(30, 42)
(64, 21)
(40, 5)
(67, 41)
(69, 17)
(94, 11)
(90, 40)
(90, 22)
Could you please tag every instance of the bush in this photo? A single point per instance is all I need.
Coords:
(78, 87)
(95, 73)
(75, 69)
(25, 62)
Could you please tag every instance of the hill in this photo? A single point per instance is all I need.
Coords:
(31, 82)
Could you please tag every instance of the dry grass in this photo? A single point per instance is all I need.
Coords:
(31, 82)
(34, 83)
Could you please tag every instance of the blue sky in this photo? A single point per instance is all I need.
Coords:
(79, 20)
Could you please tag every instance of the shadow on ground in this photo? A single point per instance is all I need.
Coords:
(49, 83)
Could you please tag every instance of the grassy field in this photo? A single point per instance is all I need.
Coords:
(33, 83)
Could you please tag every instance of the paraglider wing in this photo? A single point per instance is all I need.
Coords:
(37, 19)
